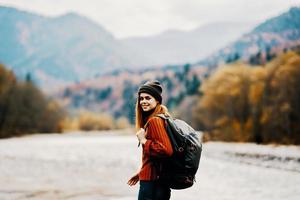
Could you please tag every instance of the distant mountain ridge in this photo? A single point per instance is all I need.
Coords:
(270, 37)
(65, 48)
(286, 21)
(69, 48)
(179, 47)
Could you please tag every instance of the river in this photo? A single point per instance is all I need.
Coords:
(87, 166)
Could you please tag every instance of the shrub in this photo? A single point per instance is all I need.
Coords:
(91, 121)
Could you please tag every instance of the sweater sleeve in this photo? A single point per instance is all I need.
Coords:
(158, 143)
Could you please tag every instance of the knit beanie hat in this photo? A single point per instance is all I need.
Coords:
(153, 88)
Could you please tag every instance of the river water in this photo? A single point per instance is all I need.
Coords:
(87, 166)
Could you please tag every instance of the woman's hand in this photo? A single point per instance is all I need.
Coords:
(133, 180)
(141, 136)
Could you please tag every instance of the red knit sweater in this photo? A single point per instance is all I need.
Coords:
(158, 145)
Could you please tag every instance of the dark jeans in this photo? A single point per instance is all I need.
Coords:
(153, 190)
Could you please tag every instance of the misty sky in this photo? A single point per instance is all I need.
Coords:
(125, 18)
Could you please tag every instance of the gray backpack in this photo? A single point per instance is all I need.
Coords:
(179, 170)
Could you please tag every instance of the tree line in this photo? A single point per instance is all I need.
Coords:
(252, 104)
(24, 109)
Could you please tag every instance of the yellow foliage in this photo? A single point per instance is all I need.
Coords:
(266, 114)
(256, 92)
(70, 124)
(257, 77)
(91, 121)
(221, 122)
(27, 109)
(122, 123)
(285, 107)
(242, 103)
(7, 79)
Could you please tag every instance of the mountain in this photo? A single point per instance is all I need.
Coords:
(70, 48)
(178, 47)
(271, 37)
(60, 49)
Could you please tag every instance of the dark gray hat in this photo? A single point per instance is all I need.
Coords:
(153, 88)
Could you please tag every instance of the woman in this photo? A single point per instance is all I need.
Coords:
(154, 139)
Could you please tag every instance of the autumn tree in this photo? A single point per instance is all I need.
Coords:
(281, 108)
(24, 108)
(255, 104)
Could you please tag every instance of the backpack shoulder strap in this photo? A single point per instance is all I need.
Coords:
(162, 116)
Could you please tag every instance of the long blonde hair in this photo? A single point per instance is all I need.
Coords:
(140, 121)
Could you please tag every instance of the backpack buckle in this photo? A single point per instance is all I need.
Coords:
(180, 149)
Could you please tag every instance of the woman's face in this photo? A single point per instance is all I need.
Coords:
(147, 102)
